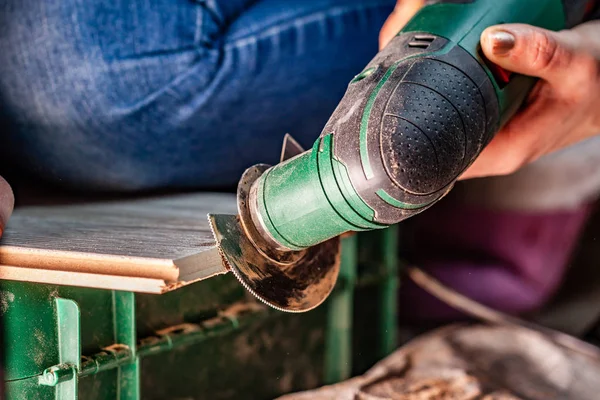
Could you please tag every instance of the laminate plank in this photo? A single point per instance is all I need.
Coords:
(166, 238)
(82, 279)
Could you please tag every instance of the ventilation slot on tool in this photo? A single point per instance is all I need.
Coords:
(421, 41)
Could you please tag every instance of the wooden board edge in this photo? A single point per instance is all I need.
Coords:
(83, 279)
(92, 263)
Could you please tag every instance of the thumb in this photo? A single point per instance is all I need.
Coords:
(6, 203)
(538, 52)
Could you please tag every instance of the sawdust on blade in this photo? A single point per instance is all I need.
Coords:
(290, 286)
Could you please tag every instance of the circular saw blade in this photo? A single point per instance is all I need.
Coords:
(296, 286)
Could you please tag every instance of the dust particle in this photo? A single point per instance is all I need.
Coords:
(5, 299)
(39, 352)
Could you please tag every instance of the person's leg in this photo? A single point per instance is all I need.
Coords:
(132, 95)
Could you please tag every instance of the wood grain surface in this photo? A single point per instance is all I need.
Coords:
(165, 238)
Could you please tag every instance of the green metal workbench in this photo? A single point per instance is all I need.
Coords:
(208, 340)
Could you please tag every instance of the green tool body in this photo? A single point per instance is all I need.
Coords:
(409, 124)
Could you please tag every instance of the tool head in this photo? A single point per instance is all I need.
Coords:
(292, 281)
(296, 286)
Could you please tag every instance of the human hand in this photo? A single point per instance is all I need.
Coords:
(403, 12)
(6, 203)
(562, 109)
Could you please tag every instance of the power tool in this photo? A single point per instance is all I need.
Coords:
(409, 124)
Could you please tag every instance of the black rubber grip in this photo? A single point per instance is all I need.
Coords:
(433, 127)
(412, 122)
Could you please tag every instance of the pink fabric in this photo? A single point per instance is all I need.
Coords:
(511, 261)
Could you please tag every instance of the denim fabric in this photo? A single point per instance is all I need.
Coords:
(145, 94)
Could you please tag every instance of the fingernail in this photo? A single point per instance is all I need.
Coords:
(502, 42)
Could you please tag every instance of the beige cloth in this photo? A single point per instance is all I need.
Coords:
(473, 363)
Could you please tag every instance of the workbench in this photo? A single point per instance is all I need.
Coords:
(117, 299)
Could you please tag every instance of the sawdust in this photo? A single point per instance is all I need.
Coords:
(174, 286)
(114, 348)
(459, 387)
(6, 298)
(233, 312)
(238, 309)
(39, 350)
(179, 329)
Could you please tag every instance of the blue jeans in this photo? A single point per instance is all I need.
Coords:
(140, 94)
